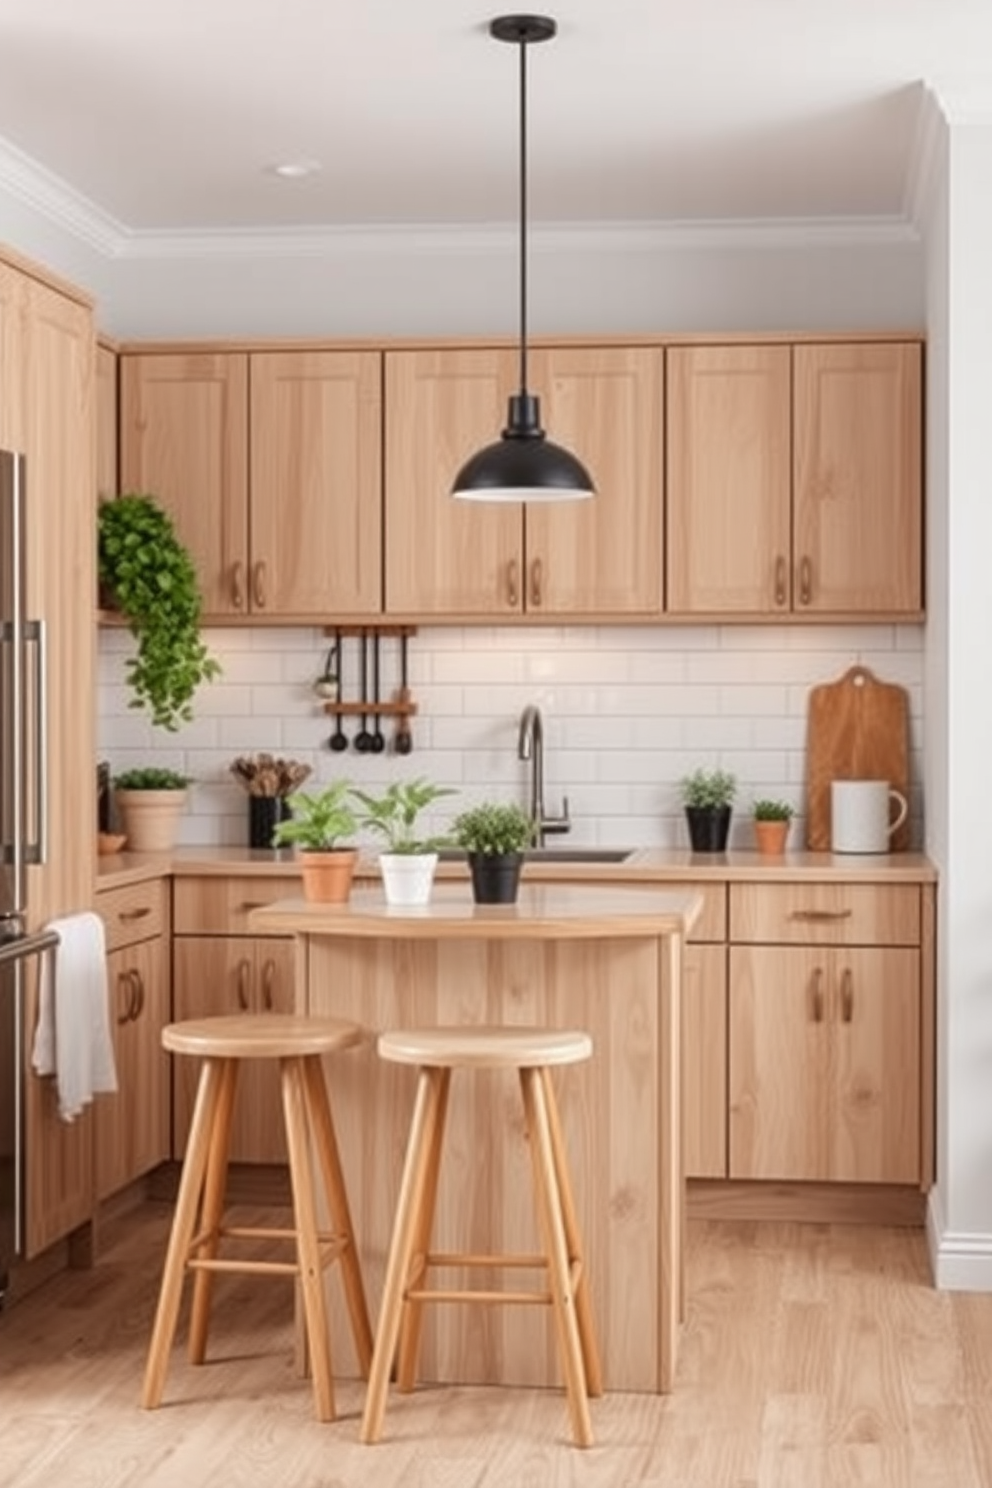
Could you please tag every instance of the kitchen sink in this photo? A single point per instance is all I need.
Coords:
(555, 854)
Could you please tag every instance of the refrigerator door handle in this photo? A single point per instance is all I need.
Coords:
(36, 847)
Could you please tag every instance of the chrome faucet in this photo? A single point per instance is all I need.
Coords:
(530, 746)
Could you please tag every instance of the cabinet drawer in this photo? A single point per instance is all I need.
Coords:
(220, 906)
(134, 913)
(825, 913)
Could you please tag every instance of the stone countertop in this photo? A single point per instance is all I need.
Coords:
(645, 865)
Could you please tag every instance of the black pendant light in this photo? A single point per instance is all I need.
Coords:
(523, 465)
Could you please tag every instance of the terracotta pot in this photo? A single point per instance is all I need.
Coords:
(150, 818)
(327, 876)
(770, 836)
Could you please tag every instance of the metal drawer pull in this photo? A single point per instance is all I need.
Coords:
(244, 972)
(847, 995)
(537, 583)
(513, 583)
(805, 581)
(259, 585)
(780, 595)
(268, 979)
(249, 904)
(238, 595)
(821, 915)
(135, 914)
(817, 995)
(124, 981)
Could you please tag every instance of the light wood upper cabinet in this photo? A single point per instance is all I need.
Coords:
(729, 480)
(449, 557)
(857, 477)
(184, 440)
(270, 466)
(794, 479)
(106, 422)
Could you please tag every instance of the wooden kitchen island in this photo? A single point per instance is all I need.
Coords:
(601, 959)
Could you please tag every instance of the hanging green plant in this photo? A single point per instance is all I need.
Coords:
(149, 577)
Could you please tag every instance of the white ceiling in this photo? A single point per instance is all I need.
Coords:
(167, 115)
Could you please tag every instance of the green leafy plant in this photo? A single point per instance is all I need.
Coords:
(150, 777)
(494, 827)
(766, 810)
(149, 577)
(394, 814)
(320, 819)
(709, 789)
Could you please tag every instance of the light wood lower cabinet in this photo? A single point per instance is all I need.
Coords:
(132, 1126)
(234, 974)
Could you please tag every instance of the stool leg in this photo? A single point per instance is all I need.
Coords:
(212, 1212)
(583, 1303)
(429, 1087)
(325, 1141)
(411, 1322)
(184, 1220)
(307, 1245)
(556, 1249)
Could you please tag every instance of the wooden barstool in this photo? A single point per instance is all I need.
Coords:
(532, 1052)
(197, 1228)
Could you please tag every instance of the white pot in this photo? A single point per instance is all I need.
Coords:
(407, 877)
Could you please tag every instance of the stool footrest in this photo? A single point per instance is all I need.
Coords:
(474, 1258)
(430, 1294)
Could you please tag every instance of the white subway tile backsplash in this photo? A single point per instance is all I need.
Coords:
(627, 712)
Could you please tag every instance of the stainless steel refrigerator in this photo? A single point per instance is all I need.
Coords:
(23, 765)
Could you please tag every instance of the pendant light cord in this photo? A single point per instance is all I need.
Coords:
(523, 215)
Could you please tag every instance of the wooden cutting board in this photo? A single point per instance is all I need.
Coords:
(857, 729)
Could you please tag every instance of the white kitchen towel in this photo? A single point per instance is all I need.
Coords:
(72, 1040)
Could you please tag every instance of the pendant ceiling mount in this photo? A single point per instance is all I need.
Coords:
(523, 465)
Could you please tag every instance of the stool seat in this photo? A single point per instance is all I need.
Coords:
(198, 1228)
(484, 1048)
(260, 1036)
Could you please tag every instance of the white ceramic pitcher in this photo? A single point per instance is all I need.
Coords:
(861, 815)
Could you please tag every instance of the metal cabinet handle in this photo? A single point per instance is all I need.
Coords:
(847, 995)
(36, 850)
(537, 583)
(513, 583)
(805, 581)
(244, 984)
(124, 983)
(816, 994)
(238, 585)
(135, 914)
(258, 585)
(268, 981)
(139, 988)
(820, 916)
(780, 572)
(249, 904)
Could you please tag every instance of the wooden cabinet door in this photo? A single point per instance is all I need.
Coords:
(316, 489)
(824, 1065)
(704, 1060)
(232, 974)
(184, 440)
(447, 557)
(132, 1127)
(857, 478)
(602, 556)
(729, 480)
(106, 423)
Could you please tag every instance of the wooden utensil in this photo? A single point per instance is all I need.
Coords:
(857, 729)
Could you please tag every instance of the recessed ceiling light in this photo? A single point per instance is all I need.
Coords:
(293, 170)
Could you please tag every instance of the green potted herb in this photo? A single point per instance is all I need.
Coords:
(409, 859)
(707, 796)
(320, 820)
(148, 576)
(150, 800)
(495, 836)
(771, 825)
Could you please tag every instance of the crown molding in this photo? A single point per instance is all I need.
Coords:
(926, 159)
(48, 194)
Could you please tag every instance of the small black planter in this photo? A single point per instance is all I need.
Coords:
(708, 827)
(495, 877)
(264, 814)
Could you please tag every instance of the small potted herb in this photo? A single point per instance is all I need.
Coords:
(320, 820)
(771, 825)
(707, 796)
(409, 860)
(150, 800)
(495, 836)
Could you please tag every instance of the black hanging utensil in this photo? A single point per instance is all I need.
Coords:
(403, 739)
(363, 739)
(338, 741)
(378, 743)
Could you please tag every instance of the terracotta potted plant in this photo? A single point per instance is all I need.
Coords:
(150, 801)
(319, 821)
(495, 836)
(408, 862)
(771, 825)
(707, 796)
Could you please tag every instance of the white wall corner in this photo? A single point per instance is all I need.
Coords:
(959, 1262)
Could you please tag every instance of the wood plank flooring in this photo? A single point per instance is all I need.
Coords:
(812, 1357)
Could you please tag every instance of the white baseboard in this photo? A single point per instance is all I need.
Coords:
(959, 1262)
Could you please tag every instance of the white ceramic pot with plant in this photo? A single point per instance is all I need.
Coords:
(320, 820)
(150, 801)
(409, 860)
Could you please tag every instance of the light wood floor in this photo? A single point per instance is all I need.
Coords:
(812, 1356)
